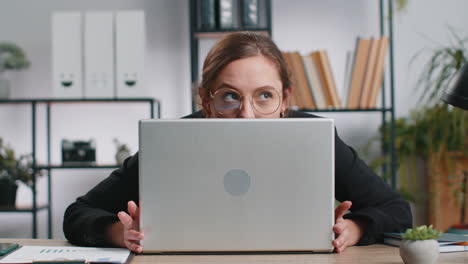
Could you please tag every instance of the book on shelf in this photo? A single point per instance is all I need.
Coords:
(377, 79)
(330, 79)
(302, 84)
(295, 99)
(448, 242)
(350, 57)
(357, 77)
(321, 74)
(368, 73)
(314, 82)
(324, 78)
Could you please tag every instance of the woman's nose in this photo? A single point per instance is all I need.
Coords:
(246, 110)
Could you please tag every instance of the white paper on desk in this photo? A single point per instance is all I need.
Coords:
(28, 254)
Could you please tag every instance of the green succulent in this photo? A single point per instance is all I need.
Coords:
(12, 57)
(421, 233)
(14, 169)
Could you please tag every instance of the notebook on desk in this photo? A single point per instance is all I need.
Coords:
(224, 185)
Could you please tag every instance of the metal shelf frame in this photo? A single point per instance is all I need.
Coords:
(48, 167)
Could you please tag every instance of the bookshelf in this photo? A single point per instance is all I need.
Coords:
(198, 33)
(48, 167)
(387, 107)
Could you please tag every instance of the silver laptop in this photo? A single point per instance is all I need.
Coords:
(224, 185)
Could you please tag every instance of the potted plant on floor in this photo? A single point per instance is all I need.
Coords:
(12, 170)
(420, 245)
(12, 57)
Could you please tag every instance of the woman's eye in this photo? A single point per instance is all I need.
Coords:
(231, 97)
(265, 95)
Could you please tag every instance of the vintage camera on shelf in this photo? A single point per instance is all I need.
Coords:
(78, 152)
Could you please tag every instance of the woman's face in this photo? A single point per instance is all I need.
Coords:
(248, 88)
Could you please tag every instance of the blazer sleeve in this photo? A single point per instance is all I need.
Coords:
(86, 220)
(380, 208)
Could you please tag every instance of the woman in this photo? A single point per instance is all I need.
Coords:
(244, 76)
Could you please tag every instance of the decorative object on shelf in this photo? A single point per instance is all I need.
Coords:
(12, 57)
(123, 152)
(130, 52)
(206, 15)
(250, 13)
(13, 169)
(214, 15)
(98, 54)
(436, 134)
(228, 14)
(67, 54)
(78, 152)
(420, 245)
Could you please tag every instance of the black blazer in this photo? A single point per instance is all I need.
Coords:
(374, 202)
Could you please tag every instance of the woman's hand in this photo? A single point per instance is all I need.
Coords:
(126, 232)
(348, 232)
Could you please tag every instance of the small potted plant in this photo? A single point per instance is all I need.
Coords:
(12, 57)
(12, 170)
(123, 152)
(420, 245)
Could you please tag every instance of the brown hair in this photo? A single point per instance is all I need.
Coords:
(237, 46)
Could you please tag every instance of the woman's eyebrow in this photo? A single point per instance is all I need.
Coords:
(227, 85)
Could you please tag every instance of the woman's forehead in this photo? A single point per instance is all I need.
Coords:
(249, 74)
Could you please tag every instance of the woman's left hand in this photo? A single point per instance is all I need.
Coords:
(348, 232)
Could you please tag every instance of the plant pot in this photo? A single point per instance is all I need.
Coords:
(121, 156)
(445, 181)
(419, 251)
(7, 193)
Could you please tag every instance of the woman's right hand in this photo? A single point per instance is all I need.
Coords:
(126, 232)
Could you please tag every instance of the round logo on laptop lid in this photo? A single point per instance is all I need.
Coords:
(236, 182)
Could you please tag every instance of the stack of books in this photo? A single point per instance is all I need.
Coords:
(448, 242)
(314, 85)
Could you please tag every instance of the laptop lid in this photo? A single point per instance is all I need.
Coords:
(237, 184)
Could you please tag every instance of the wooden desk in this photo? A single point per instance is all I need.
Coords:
(369, 254)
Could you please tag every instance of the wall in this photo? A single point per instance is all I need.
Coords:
(301, 25)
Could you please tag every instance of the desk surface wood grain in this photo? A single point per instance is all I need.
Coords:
(368, 254)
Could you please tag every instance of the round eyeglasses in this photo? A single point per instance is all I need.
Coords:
(227, 101)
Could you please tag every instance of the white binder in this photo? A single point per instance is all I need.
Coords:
(130, 52)
(99, 54)
(67, 54)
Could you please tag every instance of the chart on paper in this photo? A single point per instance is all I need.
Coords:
(28, 254)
